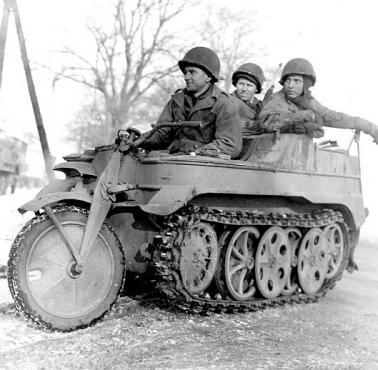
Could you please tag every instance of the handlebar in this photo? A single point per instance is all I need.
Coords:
(194, 124)
(145, 136)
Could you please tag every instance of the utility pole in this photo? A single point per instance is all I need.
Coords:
(12, 5)
(3, 35)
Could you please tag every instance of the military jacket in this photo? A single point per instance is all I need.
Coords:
(221, 131)
(279, 111)
(249, 114)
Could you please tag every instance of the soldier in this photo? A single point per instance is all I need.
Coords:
(294, 109)
(201, 100)
(248, 80)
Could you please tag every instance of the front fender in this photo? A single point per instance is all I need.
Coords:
(82, 168)
(54, 192)
(169, 199)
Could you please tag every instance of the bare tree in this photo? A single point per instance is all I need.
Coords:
(231, 36)
(151, 105)
(88, 128)
(131, 57)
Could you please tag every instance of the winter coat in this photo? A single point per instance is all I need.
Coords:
(279, 112)
(249, 114)
(220, 133)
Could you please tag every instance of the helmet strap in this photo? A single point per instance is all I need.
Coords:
(307, 83)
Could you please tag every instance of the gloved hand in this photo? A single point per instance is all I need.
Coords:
(319, 120)
(305, 116)
(146, 145)
(314, 130)
(309, 128)
(133, 146)
(125, 146)
(270, 124)
(374, 134)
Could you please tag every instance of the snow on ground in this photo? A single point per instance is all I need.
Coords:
(11, 220)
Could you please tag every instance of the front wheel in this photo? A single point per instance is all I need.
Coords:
(42, 279)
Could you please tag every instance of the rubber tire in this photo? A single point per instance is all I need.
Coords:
(18, 280)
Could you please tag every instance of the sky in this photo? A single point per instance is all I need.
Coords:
(338, 37)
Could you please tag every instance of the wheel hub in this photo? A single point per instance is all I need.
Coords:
(74, 270)
(272, 261)
(250, 262)
(312, 260)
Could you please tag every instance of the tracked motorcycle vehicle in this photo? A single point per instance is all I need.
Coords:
(278, 225)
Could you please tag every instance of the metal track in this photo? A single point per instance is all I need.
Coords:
(167, 254)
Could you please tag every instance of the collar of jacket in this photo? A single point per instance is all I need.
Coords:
(255, 103)
(306, 95)
(205, 102)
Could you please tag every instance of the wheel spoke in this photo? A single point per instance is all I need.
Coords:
(237, 254)
(241, 281)
(237, 268)
(45, 259)
(53, 288)
(244, 243)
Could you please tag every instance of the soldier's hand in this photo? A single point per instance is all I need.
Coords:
(130, 143)
(374, 134)
(126, 146)
(306, 115)
(145, 145)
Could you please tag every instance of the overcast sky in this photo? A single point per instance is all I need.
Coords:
(338, 37)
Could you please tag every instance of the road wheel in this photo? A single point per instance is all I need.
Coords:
(199, 258)
(42, 279)
(273, 262)
(313, 261)
(335, 239)
(239, 263)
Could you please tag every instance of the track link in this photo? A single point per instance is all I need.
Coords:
(167, 254)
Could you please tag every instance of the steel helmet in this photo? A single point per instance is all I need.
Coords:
(251, 72)
(203, 58)
(298, 66)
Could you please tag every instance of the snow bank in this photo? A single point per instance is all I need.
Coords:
(11, 220)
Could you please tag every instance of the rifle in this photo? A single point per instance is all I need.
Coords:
(269, 92)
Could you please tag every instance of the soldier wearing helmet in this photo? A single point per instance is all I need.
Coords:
(294, 109)
(201, 100)
(248, 80)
